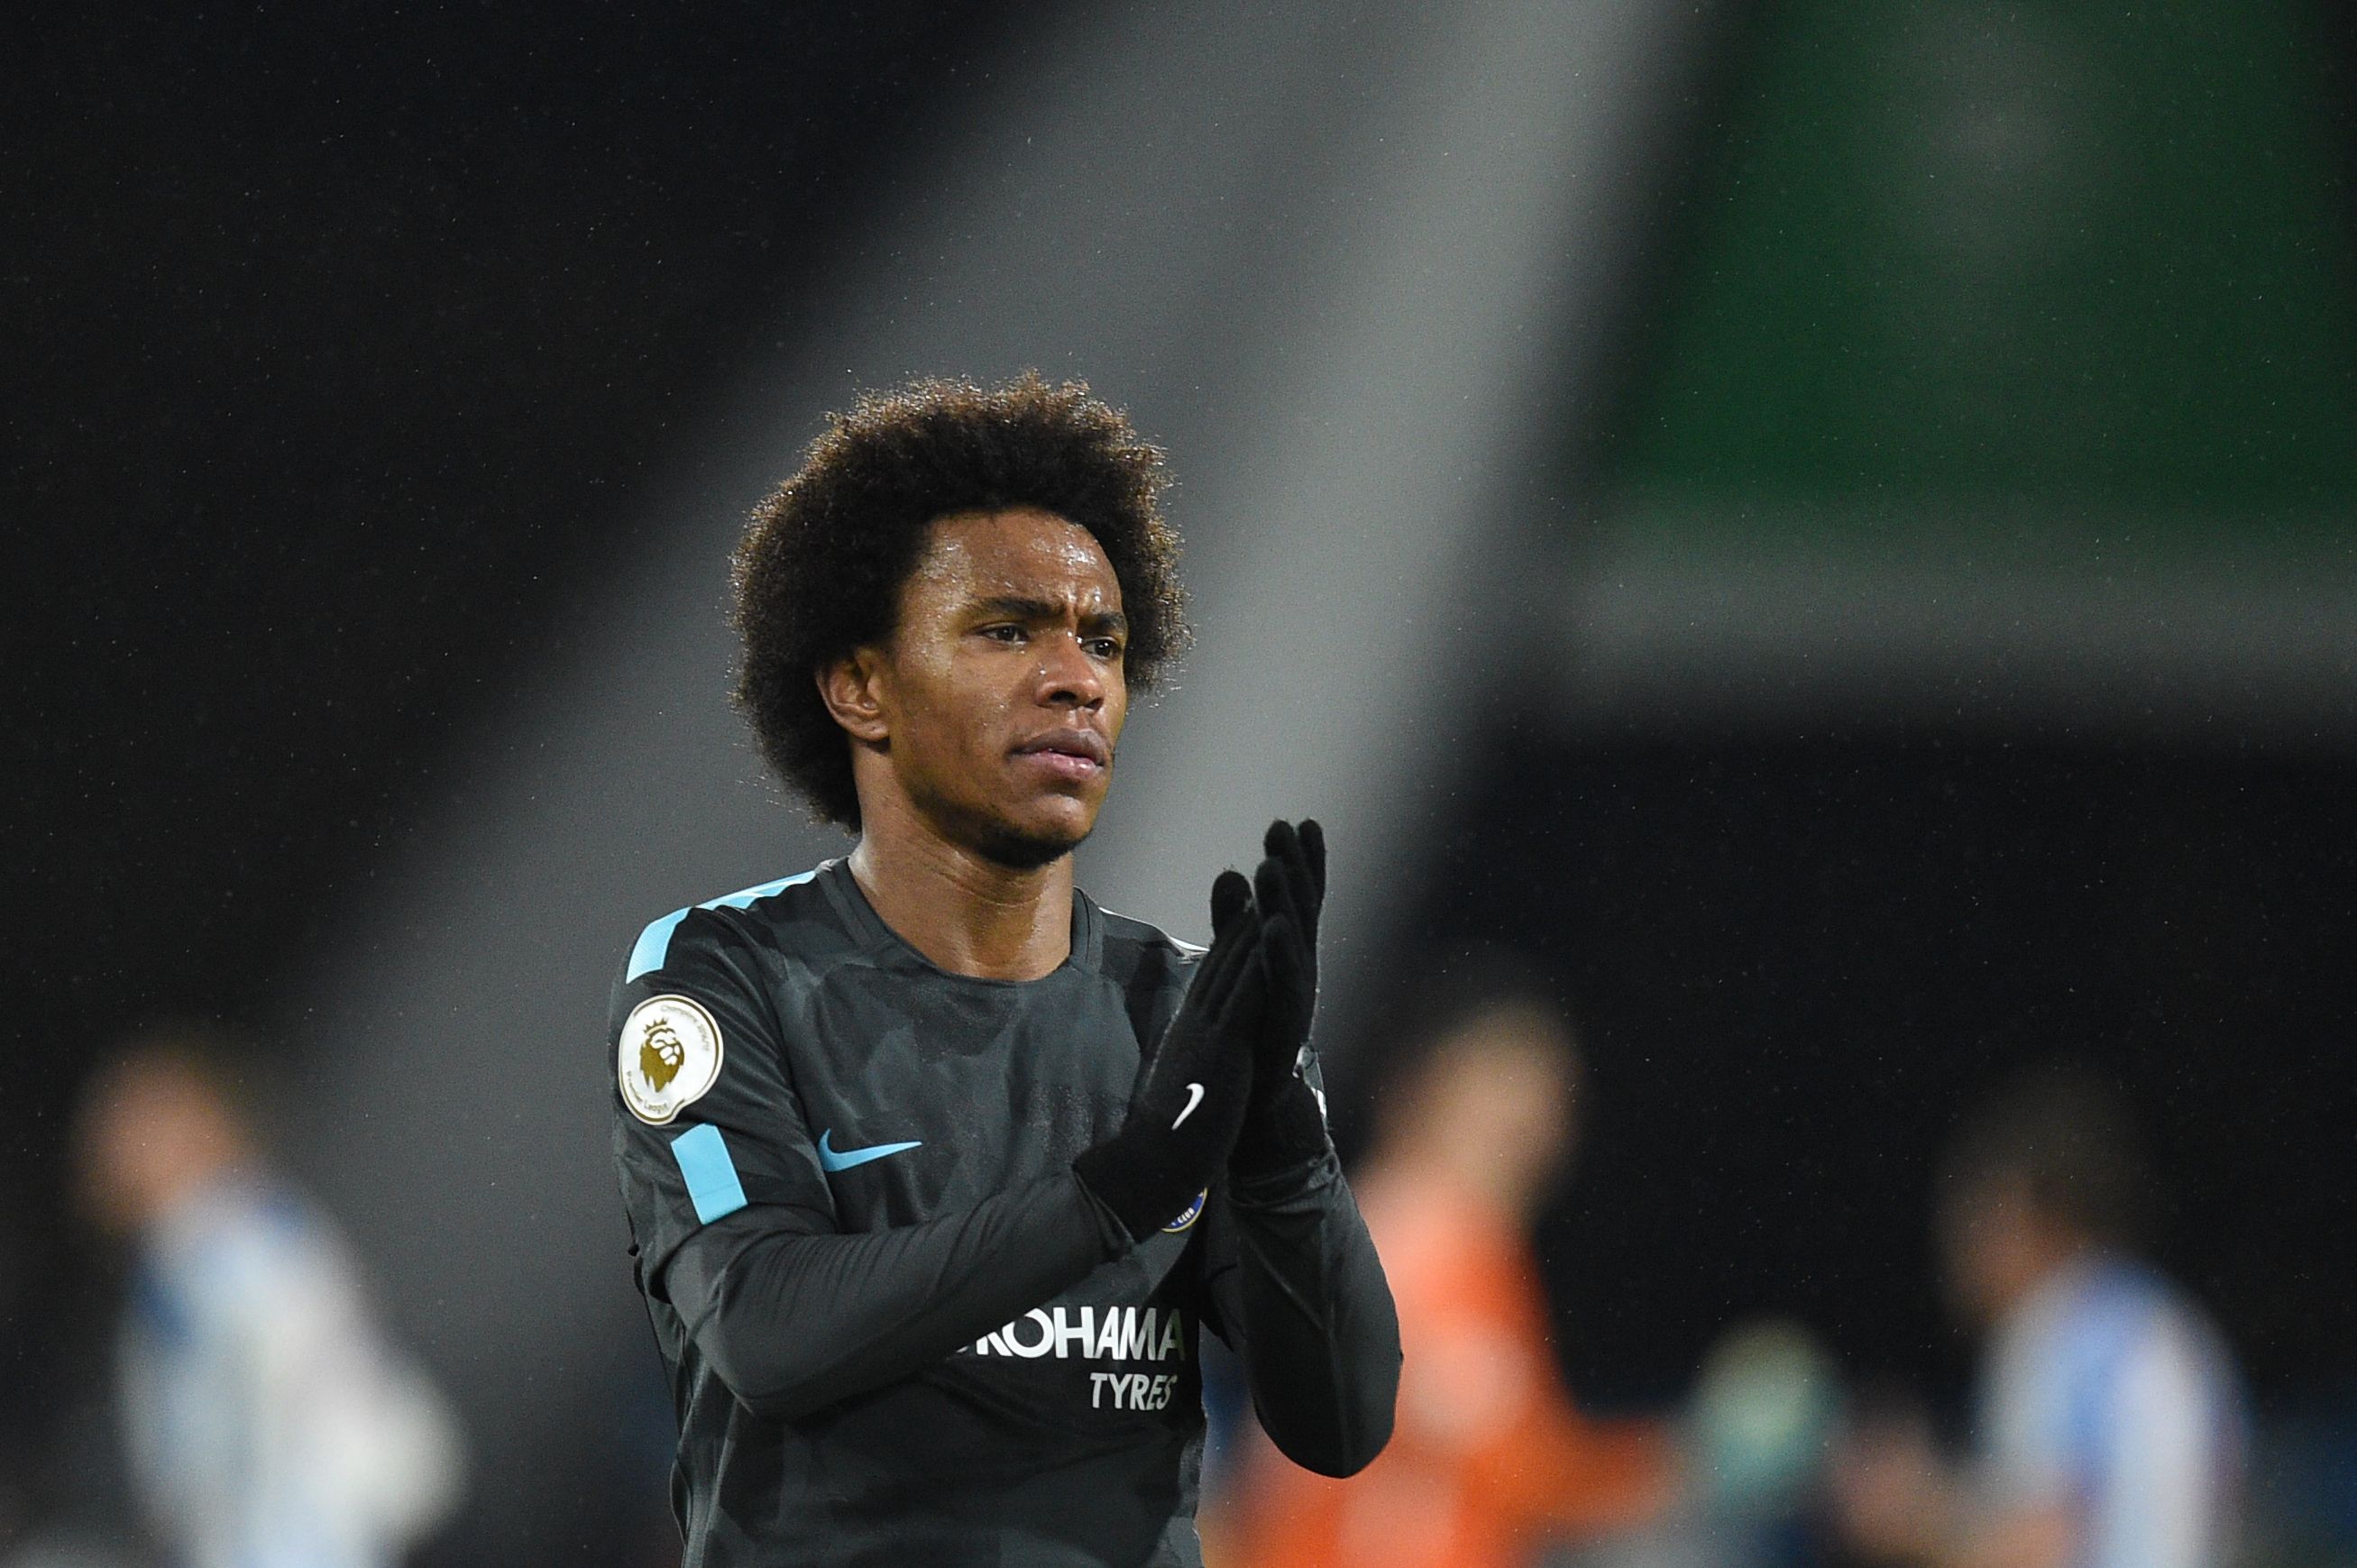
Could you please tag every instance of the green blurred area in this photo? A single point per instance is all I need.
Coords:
(2048, 274)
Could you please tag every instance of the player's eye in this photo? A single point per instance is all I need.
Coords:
(1106, 646)
(1004, 632)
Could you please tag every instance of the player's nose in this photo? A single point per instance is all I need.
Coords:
(1068, 677)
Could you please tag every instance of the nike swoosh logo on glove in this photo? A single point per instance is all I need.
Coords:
(1194, 1098)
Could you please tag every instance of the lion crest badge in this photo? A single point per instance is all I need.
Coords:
(669, 1056)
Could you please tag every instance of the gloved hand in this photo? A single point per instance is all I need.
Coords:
(1193, 1089)
(1284, 1125)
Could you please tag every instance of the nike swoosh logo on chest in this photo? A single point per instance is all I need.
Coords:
(832, 1159)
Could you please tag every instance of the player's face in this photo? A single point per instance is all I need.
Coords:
(1002, 684)
(1988, 1241)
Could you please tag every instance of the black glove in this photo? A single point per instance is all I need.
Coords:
(1284, 1125)
(1191, 1090)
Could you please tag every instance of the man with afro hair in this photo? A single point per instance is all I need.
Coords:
(935, 1170)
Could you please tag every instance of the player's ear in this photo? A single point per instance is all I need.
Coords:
(853, 689)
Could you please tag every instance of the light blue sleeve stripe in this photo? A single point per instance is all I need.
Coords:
(712, 1183)
(655, 943)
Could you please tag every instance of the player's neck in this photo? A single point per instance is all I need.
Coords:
(966, 914)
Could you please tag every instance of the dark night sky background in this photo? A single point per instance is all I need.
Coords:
(340, 339)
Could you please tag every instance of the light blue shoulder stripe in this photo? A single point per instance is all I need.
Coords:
(655, 943)
(648, 952)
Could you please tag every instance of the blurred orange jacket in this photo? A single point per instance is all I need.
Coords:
(1488, 1458)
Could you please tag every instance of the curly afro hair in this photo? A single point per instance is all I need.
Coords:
(819, 571)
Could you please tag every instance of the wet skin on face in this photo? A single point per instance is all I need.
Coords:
(1001, 693)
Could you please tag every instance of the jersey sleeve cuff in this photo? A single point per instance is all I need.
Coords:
(1111, 1232)
(1283, 1186)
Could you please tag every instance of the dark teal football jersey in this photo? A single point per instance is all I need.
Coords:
(898, 1327)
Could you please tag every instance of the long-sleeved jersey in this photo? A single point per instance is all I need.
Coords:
(267, 1420)
(897, 1326)
(2107, 1395)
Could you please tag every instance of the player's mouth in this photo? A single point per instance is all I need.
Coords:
(1067, 754)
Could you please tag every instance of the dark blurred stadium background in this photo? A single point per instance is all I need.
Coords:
(1835, 526)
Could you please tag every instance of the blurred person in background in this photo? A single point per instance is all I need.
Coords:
(266, 1419)
(2111, 1425)
(1489, 1460)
